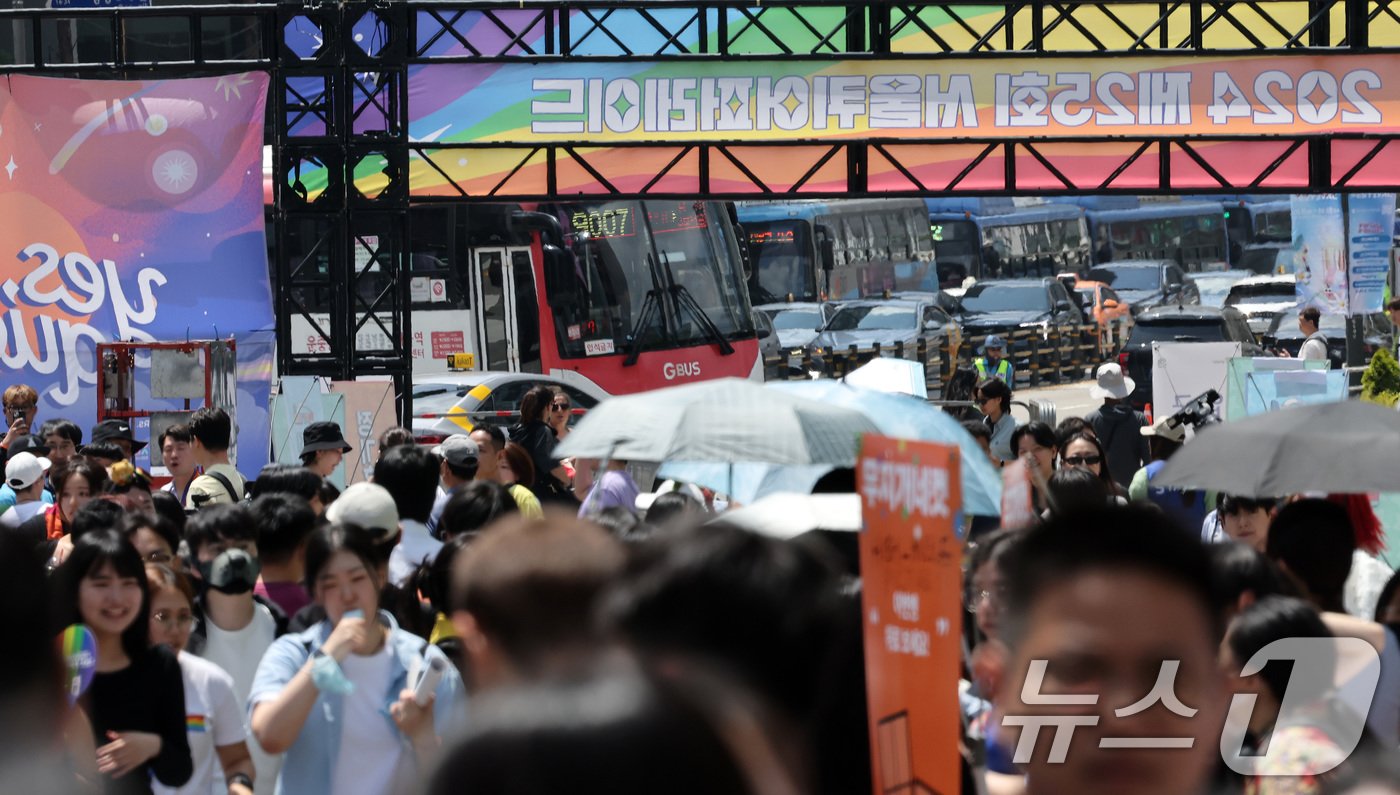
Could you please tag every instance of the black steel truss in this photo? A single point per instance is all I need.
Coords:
(339, 109)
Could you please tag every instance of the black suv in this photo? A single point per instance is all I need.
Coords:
(1179, 324)
(1004, 305)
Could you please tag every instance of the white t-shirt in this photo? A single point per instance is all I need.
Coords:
(21, 513)
(213, 717)
(371, 749)
(239, 653)
(415, 546)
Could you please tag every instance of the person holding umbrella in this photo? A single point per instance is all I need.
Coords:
(323, 447)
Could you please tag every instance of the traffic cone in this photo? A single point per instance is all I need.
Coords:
(1148, 411)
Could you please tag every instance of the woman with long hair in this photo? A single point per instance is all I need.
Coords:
(537, 438)
(321, 697)
(136, 701)
(1085, 451)
(75, 485)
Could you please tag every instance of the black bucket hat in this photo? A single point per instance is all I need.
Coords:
(323, 436)
(115, 430)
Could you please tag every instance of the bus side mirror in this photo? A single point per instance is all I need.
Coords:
(559, 276)
(828, 254)
(745, 256)
(826, 247)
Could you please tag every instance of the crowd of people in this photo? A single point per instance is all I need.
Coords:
(481, 616)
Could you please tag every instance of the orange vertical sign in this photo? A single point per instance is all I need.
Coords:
(910, 561)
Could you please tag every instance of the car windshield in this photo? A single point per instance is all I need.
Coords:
(797, 319)
(1183, 330)
(438, 398)
(1128, 277)
(870, 317)
(1215, 286)
(1268, 293)
(1006, 297)
(1286, 325)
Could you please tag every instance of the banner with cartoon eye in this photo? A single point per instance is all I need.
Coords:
(133, 210)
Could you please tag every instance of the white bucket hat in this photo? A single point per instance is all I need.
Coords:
(1112, 383)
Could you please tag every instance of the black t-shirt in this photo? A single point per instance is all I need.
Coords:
(146, 696)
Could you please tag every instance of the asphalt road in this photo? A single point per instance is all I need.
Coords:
(1070, 400)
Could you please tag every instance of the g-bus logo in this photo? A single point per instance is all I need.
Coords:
(673, 370)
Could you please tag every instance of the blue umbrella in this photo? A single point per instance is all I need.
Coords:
(899, 416)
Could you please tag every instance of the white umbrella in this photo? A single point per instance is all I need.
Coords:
(884, 374)
(785, 516)
(729, 420)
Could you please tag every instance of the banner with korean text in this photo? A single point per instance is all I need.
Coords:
(1370, 230)
(133, 210)
(737, 102)
(910, 565)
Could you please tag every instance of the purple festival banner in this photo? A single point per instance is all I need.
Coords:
(133, 210)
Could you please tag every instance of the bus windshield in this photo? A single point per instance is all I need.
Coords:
(783, 262)
(869, 317)
(954, 239)
(622, 251)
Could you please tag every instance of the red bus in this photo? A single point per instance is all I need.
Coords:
(623, 295)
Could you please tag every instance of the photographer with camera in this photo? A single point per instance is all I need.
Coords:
(1165, 437)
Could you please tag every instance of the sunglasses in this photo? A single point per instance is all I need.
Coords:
(560, 406)
(1083, 460)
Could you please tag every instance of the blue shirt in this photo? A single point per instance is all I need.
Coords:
(8, 498)
(309, 765)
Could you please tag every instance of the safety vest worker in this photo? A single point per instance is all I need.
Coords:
(991, 364)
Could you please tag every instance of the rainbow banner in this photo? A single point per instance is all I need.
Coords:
(133, 211)
(739, 102)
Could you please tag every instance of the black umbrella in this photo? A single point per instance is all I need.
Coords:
(1347, 447)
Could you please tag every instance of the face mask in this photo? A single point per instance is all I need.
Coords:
(233, 572)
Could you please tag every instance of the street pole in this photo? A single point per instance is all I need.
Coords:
(1355, 354)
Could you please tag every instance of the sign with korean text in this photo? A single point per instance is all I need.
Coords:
(679, 102)
(910, 560)
(1370, 226)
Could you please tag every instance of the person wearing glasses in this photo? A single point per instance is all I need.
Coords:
(557, 418)
(560, 411)
(213, 713)
(21, 403)
(1084, 451)
(993, 398)
(155, 538)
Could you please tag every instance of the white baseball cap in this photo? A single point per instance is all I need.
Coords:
(368, 505)
(23, 469)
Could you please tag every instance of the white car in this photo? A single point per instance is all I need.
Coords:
(448, 403)
(1263, 298)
